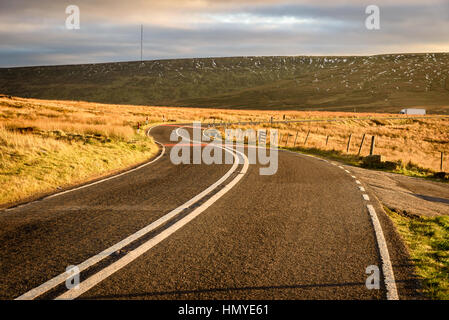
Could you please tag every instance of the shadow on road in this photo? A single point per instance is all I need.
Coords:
(212, 290)
(432, 199)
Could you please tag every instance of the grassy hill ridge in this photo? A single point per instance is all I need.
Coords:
(382, 83)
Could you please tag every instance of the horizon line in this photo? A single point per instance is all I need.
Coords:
(226, 57)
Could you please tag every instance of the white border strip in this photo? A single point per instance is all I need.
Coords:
(99, 181)
(387, 267)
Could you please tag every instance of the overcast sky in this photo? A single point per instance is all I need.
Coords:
(34, 33)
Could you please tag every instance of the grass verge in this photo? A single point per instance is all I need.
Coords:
(428, 243)
(408, 169)
(41, 162)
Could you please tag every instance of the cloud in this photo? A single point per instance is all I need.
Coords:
(33, 33)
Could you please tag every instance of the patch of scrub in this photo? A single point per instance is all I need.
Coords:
(428, 241)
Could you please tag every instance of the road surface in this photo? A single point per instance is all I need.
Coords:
(304, 233)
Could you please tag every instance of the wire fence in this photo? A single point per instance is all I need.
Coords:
(421, 142)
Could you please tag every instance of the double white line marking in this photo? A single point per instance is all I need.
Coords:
(134, 254)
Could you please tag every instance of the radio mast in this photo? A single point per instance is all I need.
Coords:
(141, 43)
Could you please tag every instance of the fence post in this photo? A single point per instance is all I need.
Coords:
(296, 138)
(286, 140)
(349, 143)
(327, 140)
(361, 144)
(373, 142)
(441, 163)
(307, 137)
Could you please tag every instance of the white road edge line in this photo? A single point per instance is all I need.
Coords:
(131, 256)
(52, 283)
(387, 268)
(99, 181)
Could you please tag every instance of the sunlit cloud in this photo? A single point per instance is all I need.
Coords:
(251, 19)
(33, 32)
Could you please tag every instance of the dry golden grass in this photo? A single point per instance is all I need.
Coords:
(45, 144)
(416, 141)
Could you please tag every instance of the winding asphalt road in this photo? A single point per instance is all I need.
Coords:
(304, 233)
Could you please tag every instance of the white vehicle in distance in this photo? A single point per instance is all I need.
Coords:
(413, 111)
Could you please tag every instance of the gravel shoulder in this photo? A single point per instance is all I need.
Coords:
(413, 196)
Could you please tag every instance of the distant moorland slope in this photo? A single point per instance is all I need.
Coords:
(383, 83)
